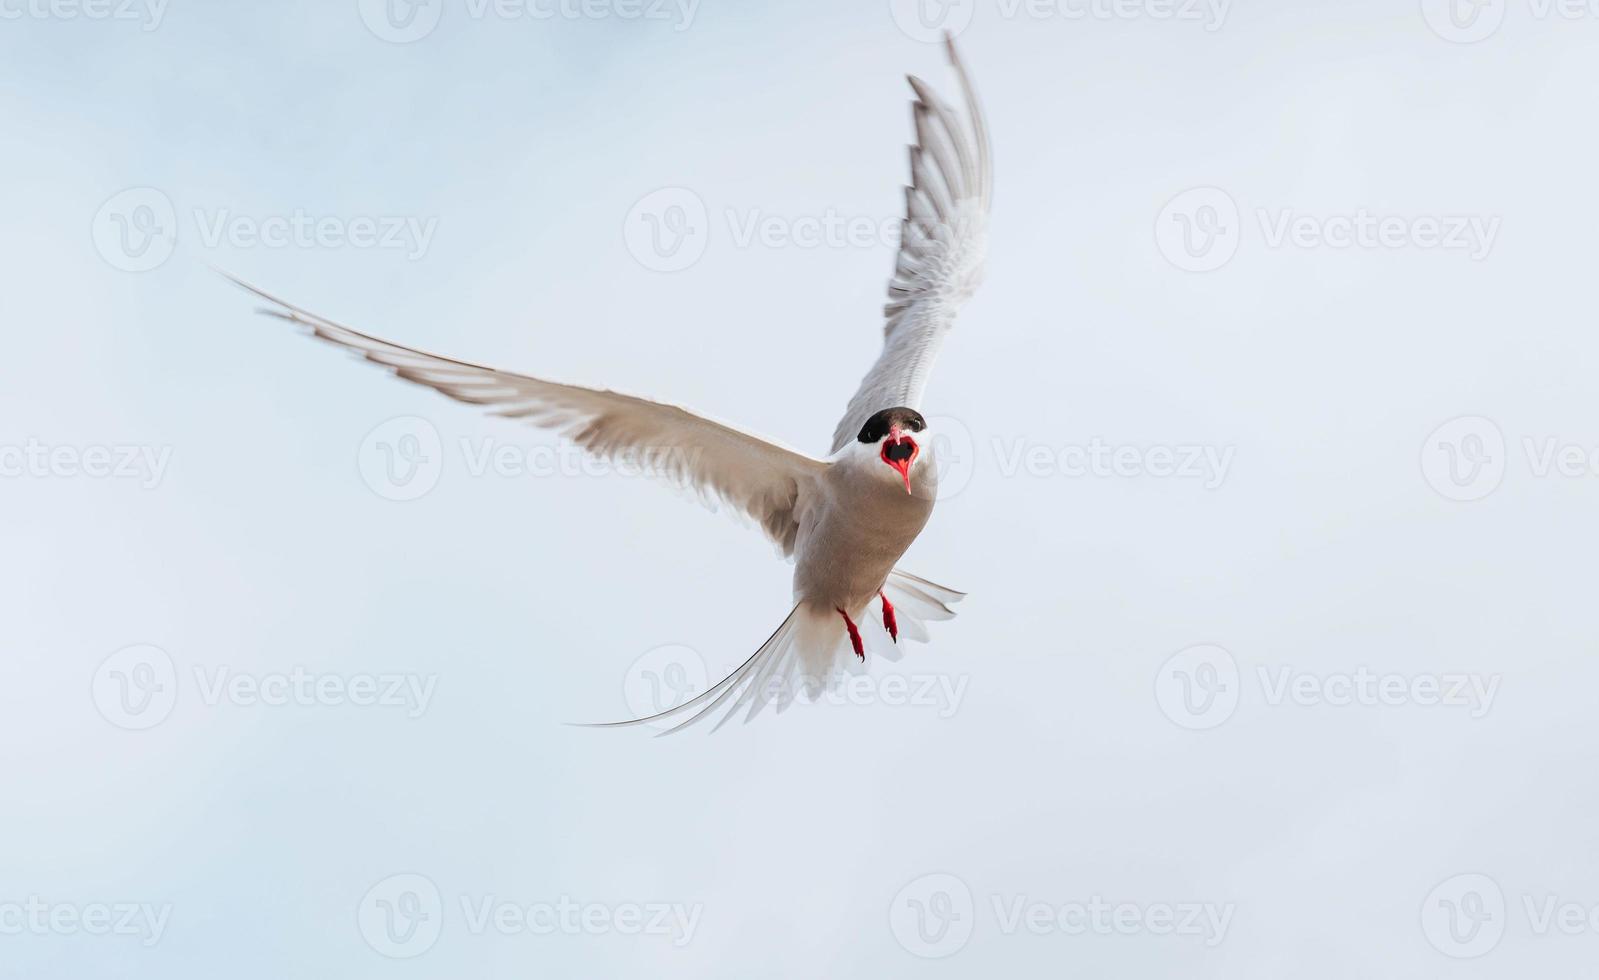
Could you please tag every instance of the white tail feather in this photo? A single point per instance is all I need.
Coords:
(803, 655)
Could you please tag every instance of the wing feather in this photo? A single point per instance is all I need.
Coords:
(765, 481)
(943, 243)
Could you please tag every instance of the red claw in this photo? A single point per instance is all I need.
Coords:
(854, 636)
(889, 622)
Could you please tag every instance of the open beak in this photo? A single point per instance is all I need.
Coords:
(900, 451)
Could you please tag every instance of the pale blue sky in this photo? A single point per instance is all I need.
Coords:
(1043, 766)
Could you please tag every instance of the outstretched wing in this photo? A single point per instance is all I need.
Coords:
(943, 242)
(764, 481)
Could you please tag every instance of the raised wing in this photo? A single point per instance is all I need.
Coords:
(943, 243)
(764, 481)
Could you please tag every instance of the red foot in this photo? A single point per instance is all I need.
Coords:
(889, 622)
(854, 636)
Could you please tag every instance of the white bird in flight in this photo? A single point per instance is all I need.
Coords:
(844, 520)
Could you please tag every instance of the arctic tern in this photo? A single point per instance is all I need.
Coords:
(845, 520)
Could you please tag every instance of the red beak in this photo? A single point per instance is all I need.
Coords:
(900, 451)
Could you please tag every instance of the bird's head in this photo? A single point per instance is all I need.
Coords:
(896, 436)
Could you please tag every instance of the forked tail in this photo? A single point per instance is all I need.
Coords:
(805, 653)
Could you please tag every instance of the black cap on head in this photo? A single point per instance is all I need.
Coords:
(876, 427)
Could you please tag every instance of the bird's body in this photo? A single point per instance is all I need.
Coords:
(854, 531)
(845, 520)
